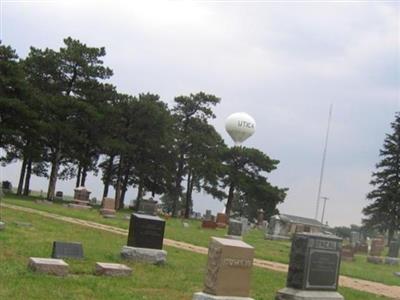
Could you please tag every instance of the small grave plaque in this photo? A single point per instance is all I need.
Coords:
(146, 231)
(67, 250)
(314, 262)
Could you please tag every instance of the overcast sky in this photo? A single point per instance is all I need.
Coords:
(283, 62)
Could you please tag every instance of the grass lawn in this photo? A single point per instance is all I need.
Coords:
(178, 279)
(265, 249)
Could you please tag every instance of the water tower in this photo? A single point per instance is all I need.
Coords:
(240, 127)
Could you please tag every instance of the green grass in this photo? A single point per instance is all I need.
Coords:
(264, 249)
(178, 279)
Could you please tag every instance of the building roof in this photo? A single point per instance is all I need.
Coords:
(300, 220)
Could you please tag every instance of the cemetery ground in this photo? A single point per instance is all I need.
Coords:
(178, 279)
(269, 250)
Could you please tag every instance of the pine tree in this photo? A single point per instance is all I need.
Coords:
(383, 213)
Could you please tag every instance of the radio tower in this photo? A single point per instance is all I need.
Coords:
(321, 176)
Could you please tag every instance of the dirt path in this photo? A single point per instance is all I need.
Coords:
(345, 281)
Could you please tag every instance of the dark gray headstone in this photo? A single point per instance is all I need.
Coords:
(394, 248)
(396, 274)
(59, 195)
(6, 185)
(67, 250)
(208, 215)
(314, 262)
(146, 231)
(147, 207)
(235, 228)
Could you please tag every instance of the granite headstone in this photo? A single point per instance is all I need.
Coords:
(67, 250)
(146, 231)
(229, 268)
(314, 262)
(394, 248)
(235, 228)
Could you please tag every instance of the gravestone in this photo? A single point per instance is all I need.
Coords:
(208, 215)
(375, 259)
(394, 248)
(377, 246)
(147, 206)
(235, 229)
(110, 269)
(348, 253)
(50, 266)
(67, 250)
(221, 220)
(146, 231)
(354, 238)
(6, 186)
(313, 268)
(2, 225)
(245, 224)
(145, 239)
(260, 217)
(394, 261)
(208, 224)
(362, 248)
(228, 270)
(59, 195)
(108, 207)
(81, 198)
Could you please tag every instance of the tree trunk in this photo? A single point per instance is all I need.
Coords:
(124, 185)
(118, 185)
(83, 177)
(178, 182)
(139, 194)
(107, 175)
(78, 177)
(21, 176)
(28, 178)
(189, 188)
(55, 164)
(230, 200)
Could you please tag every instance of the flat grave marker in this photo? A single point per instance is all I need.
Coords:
(67, 250)
(50, 266)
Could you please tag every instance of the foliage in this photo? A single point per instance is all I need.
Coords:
(383, 213)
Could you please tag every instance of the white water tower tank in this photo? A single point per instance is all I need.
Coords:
(240, 127)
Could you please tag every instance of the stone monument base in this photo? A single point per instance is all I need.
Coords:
(233, 237)
(146, 255)
(294, 294)
(204, 296)
(375, 259)
(394, 261)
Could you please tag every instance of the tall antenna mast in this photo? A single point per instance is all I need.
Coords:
(321, 176)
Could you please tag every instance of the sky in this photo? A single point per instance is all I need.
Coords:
(282, 62)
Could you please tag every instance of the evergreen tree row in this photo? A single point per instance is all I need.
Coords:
(61, 118)
(383, 213)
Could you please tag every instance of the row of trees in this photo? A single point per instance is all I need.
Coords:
(61, 118)
(383, 213)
